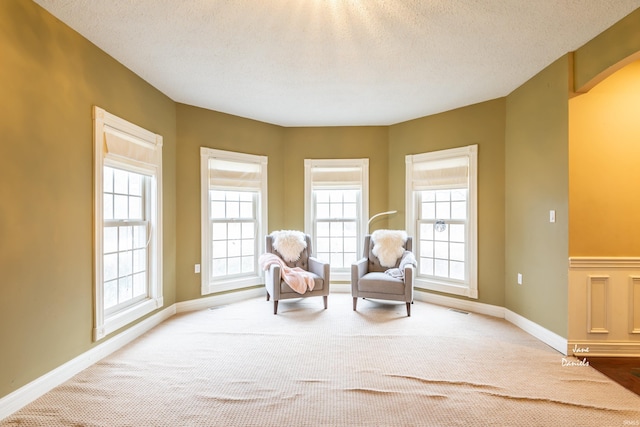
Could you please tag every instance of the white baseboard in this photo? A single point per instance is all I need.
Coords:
(552, 339)
(460, 304)
(36, 388)
(604, 349)
(340, 288)
(218, 300)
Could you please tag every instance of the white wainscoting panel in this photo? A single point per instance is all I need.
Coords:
(634, 304)
(604, 305)
(598, 305)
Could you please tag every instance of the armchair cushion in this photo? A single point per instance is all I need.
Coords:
(318, 284)
(296, 278)
(381, 283)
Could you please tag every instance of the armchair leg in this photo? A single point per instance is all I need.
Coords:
(326, 298)
(268, 296)
(275, 306)
(355, 303)
(408, 309)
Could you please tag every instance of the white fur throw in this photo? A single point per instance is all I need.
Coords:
(388, 246)
(289, 243)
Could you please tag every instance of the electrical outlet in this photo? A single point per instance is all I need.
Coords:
(519, 278)
(196, 269)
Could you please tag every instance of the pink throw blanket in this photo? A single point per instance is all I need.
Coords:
(298, 279)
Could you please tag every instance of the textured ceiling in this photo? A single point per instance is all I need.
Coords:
(337, 62)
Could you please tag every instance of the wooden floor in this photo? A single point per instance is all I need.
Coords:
(623, 370)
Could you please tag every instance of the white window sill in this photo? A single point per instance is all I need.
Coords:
(221, 285)
(123, 318)
(449, 288)
(340, 276)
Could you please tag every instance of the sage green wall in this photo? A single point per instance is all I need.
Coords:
(536, 148)
(197, 128)
(481, 124)
(286, 149)
(333, 143)
(50, 77)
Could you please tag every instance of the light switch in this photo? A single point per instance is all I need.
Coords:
(197, 268)
(552, 216)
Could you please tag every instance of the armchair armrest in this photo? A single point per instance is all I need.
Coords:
(272, 281)
(409, 274)
(320, 268)
(358, 269)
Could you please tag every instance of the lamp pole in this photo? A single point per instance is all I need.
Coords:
(379, 215)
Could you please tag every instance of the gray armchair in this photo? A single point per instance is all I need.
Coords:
(369, 280)
(278, 288)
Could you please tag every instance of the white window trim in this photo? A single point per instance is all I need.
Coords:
(207, 286)
(363, 164)
(151, 143)
(469, 289)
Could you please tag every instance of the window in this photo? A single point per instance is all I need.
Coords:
(128, 226)
(336, 202)
(442, 215)
(234, 218)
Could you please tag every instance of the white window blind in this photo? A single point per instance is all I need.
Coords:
(225, 174)
(123, 147)
(445, 173)
(335, 176)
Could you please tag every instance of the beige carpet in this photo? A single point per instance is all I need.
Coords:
(240, 365)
